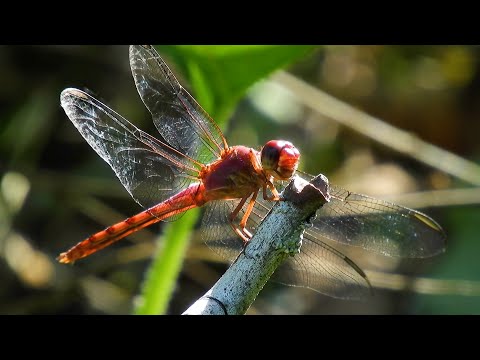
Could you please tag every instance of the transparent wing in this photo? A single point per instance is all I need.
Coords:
(318, 266)
(149, 169)
(378, 226)
(216, 231)
(178, 117)
(348, 218)
(322, 268)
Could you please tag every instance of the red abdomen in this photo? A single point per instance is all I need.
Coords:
(183, 201)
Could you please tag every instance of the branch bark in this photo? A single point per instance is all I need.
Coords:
(279, 236)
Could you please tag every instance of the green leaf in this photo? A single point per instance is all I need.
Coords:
(220, 75)
(161, 277)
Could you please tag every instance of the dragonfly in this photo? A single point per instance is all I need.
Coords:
(192, 166)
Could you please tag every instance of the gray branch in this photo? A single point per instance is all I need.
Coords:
(279, 236)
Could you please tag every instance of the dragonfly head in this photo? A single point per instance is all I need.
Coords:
(280, 159)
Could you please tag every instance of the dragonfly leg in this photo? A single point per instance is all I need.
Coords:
(232, 217)
(235, 212)
(241, 231)
(258, 168)
(256, 164)
(245, 237)
(243, 222)
(275, 195)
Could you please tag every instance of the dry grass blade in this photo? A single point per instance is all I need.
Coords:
(376, 129)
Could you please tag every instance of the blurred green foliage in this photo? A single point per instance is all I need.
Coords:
(462, 258)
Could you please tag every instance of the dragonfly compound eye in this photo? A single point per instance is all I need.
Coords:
(280, 159)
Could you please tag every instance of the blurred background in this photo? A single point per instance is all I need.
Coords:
(418, 146)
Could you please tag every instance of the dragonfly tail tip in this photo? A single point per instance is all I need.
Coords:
(63, 258)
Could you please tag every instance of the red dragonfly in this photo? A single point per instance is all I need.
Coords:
(194, 166)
